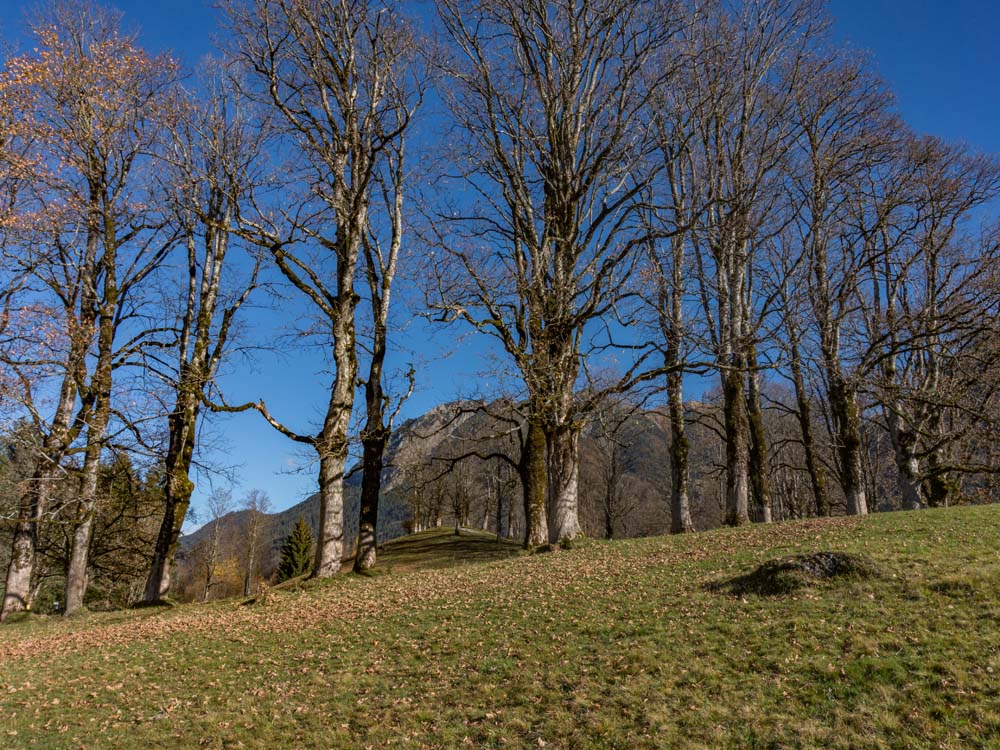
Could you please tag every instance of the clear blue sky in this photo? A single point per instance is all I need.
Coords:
(942, 59)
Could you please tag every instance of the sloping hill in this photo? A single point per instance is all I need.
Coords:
(412, 442)
(447, 430)
(607, 645)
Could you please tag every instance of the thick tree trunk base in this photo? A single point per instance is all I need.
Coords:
(17, 594)
(76, 576)
(564, 478)
(366, 555)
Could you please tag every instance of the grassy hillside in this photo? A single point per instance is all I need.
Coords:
(608, 645)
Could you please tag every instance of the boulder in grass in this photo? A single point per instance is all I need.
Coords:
(788, 574)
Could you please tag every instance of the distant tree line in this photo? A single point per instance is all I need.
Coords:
(630, 198)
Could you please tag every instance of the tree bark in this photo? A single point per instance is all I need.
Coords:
(371, 486)
(817, 478)
(737, 480)
(759, 469)
(76, 574)
(535, 481)
(34, 503)
(938, 487)
(680, 508)
(847, 424)
(333, 442)
(330, 538)
(100, 392)
(564, 483)
(177, 496)
(907, 464)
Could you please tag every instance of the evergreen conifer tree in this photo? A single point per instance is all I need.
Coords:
(296, 552)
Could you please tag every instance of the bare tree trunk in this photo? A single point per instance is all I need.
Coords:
(213, 556)
(564, 483)
(177, 496)
(817, 478)
(670, 311)
(374, 438)
(17, 593)
(76, 574)
(333, 443)
(680, 508)
(849, 449)
(759, 469)
(100, 391)
(371, 486)
(34, 504)
(938, 488)
(908, 467)
(330, 540)
(256, 516)
(499, 510)
(907, 464)
(535, 481)
(511, 532)
(737, 479)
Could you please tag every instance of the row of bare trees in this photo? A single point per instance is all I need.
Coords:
(712, 186)
(125, 191)
(631, 197)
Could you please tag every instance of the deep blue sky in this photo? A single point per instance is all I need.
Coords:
(942, 59)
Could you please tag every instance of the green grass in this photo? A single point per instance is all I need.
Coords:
(608, 645)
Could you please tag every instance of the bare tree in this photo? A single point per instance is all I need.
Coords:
(923, 302)
(381, 262)
(210, 166)
(614, 441)
(335, 74)
(747, 57)
(220, 504)
(96, 106)
(844, 126)
(551, 99)
(257, 505)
